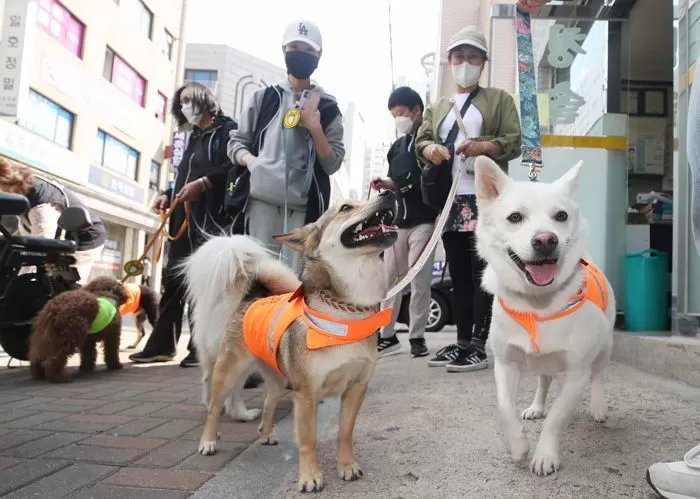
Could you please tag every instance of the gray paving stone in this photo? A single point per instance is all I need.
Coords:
(107, 492)
(143, 408)
(18, 437)
(64, 481)
(36, 448)
(173, 429)
(169, 455)
(96, 454)
(24, 473)
(137, 426)
(36, 419)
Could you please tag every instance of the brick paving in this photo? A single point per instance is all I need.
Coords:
(126, 434)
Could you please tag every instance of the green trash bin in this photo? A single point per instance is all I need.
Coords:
(646, 291)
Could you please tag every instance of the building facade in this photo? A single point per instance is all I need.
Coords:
(231, 74)
(612, 81)
(85, 97)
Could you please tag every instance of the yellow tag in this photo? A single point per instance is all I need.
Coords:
(133, 268)
(291, 118)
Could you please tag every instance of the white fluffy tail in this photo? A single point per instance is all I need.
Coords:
(217, 277)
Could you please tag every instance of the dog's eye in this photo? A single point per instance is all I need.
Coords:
(346, 207)
(515, 217)
(561, 216)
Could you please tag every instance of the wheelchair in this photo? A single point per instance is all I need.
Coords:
(22, 296)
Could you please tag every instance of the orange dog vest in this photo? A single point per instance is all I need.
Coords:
(133, 302)
(594, 289)
(267, 319)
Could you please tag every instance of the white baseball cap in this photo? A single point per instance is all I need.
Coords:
(302, 30)
(469, 36)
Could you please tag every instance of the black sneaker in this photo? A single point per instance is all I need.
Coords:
(468, 360)
(387, 346)
(148, 358)
(418, 347)
(190, 361)
(444, 356)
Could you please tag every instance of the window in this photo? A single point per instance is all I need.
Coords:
(161, 106)
(168, 45)
(48, 119)
(199, 75)
(115, 155)
(139, 14)
(63, 26)
(154, 176)
(124, 77)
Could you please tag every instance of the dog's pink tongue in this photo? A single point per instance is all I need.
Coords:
(542, 274)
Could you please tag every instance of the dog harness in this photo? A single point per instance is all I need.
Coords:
(133, 301)
(106, 312)
(594, 289)
(267, 319)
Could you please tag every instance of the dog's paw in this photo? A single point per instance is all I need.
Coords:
(544, 463)
(245, 416)
(270, 438)
(598, 410)
(349, 472)
(115, 367)
(519, 448)
(311, 482)
(533, 412)
(207, 448)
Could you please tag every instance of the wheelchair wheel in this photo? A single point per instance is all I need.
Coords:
(29, 294)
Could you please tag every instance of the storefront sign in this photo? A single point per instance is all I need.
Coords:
(115, 184)
(27, 147)
(180, 140)
(18, 28)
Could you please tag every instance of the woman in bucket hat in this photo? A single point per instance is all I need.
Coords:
(492, 123)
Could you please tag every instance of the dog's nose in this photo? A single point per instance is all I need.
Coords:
(387, 192)
(545, 242)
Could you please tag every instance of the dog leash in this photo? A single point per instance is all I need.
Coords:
(134, 268)
(529, 117)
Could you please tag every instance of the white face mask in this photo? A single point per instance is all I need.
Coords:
(466, 75)
(404, 124)
(190, 115)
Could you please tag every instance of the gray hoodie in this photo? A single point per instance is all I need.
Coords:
(288, 155)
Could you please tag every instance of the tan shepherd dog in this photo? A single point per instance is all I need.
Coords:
(250, 314)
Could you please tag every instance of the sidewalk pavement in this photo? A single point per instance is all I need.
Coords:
(422, 433)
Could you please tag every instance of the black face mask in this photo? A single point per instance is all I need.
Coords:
(300, 64)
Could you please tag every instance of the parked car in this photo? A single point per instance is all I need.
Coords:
(440, 313)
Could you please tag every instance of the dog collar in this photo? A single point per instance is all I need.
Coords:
(593, 289)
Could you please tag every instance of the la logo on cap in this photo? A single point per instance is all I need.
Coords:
(303, 30)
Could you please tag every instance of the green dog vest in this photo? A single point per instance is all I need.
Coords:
(106, 311)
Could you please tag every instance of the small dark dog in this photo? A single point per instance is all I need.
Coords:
(74, 321)
(143, 303)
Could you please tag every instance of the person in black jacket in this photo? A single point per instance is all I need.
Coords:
(200, 181)
(415, 221)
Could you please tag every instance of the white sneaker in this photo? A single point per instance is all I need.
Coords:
(678, 480)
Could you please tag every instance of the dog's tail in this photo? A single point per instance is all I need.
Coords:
(218, 276)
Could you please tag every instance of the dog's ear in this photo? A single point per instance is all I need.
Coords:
(299, 238)
(569, 181)
(489, 179)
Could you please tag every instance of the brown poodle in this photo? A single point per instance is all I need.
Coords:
(66, 325)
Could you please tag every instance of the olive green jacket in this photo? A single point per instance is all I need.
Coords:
(501, 123)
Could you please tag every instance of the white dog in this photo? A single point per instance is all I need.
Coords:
(553, 311)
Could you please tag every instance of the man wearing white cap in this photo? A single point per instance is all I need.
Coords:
(493, 129)
(291, 142)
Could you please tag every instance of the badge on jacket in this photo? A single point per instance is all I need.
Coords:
(292, 118)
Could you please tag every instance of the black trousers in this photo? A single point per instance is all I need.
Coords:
(166, 333)
(471, 305)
